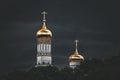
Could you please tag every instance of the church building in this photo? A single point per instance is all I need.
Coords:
(44, 37)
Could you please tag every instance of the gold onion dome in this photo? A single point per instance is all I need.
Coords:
(44, 31)
(76, 57)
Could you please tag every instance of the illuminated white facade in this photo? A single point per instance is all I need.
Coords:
(74, 64)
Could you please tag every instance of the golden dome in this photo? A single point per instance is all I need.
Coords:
(76, 57)
(44, 31)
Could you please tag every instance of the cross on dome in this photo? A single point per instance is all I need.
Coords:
(44, 13)
(76, 41)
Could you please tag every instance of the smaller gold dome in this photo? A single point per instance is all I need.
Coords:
(44, 31)
(76, 57)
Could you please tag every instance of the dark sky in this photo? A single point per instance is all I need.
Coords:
(95, 23)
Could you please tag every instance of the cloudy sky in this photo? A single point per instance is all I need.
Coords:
(95, 23)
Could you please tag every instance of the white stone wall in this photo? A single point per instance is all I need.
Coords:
(44, 51)
(74, 64)
(44, 60)
(44, 48)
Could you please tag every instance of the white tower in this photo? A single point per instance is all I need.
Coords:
(76, 58)
(44, 36)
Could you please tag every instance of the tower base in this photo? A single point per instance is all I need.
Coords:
(42, 65)
(74, 64)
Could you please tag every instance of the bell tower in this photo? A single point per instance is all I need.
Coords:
(44, 37)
